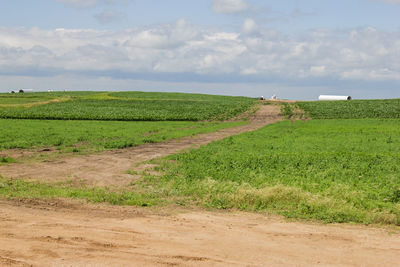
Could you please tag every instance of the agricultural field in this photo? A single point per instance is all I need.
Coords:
(95, 121)
(124, 106)
(355, 109)
(96, 196)
(85, 136)
(344, 169)
(331, 170)
(336, 170)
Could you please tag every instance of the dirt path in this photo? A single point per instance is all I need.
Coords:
(68, 234)
(109, 168)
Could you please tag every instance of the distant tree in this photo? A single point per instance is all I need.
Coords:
(21, 91)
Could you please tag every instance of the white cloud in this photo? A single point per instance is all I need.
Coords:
(229, 6)
(182, 50)
(317, 70)
(249, 26)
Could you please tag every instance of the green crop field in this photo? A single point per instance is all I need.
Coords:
(93, 121)
(75, 135)
(126, 106)
(333, 170)
(355, 109)
(7, 100)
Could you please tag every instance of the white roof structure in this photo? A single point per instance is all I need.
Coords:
(333, 97)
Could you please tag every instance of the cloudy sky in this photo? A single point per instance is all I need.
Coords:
(296, 49)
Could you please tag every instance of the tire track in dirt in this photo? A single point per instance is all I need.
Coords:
(109, 168)
(102, 235)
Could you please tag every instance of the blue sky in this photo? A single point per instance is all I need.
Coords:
(296, 49)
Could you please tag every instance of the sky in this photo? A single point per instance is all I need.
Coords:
(296, 49)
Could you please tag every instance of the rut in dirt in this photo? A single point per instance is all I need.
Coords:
(109, 168)
(70, 234)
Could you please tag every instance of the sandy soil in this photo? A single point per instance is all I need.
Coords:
(65, 233)
(109, 168)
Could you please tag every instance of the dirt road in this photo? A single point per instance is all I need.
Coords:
(109, 168)
(69, 234)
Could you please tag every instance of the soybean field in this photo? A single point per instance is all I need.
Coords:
(124, 106)
(354, 109)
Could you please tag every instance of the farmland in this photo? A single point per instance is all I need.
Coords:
(336, 170)
(355, 109)
(128, 106)
(333, 170)
(95, 121)
(94, 205)
(81, 136)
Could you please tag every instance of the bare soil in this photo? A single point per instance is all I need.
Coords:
(109, 168)
(71, 233)
(65, 233)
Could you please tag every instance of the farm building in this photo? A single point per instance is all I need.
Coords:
(333, 97)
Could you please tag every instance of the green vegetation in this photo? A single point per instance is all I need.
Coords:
(354, 109)
(6, 100)
(343, 166)
(59, 118)
(97, 135)
(332, 170)
(7, 160)
(286, 110)
(127, 106)
(22, 189)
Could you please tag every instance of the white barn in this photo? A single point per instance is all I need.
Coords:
(333, 97)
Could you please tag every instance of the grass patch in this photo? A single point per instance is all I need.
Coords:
(334, 171)
(97, 135)
(287, 110)
(22, 189)
(21, 99)
(7, 160)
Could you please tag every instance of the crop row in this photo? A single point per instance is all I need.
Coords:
(355, 109)
(132, 109)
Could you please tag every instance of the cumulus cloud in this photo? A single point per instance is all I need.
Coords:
(185, 51)
(229, 6)
(249, 26)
